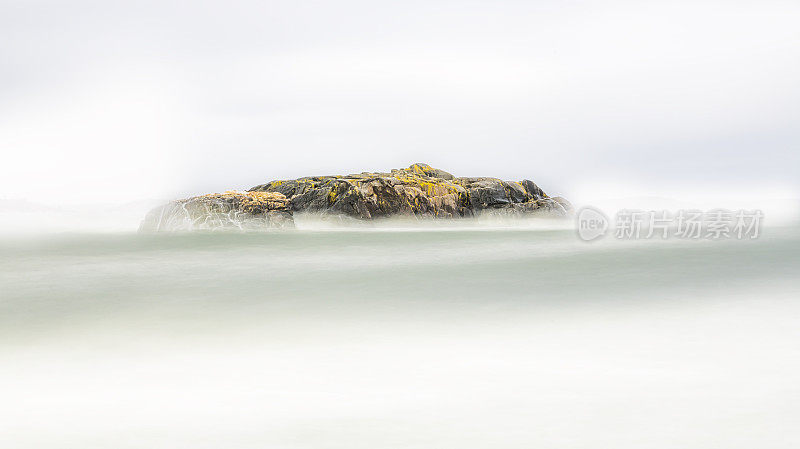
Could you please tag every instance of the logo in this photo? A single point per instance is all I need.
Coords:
(634, 224)
(591, 223)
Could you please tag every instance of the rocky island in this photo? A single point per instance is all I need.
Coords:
(417, 191)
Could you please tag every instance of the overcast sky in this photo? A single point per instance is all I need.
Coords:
(118, 101)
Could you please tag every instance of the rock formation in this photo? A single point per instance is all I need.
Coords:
(417, 191)
(229, 210)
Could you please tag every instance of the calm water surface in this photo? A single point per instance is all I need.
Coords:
(398, 338)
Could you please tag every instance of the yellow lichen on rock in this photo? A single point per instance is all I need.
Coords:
(418, 189)
(253, 201)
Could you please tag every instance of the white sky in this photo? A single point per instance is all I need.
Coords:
(110, 101)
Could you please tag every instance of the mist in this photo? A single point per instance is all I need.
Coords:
(466, 338)
(461, 313)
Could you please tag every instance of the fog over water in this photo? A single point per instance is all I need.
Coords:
(400, 333)
(428, 338)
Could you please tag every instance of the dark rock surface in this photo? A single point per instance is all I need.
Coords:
(419, 190)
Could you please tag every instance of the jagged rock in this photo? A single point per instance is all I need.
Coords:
(533, 191)
(419, 190)
(229, 210)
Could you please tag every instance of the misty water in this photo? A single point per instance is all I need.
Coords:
(388, 338)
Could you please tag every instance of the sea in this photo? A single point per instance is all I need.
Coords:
(469, 336)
